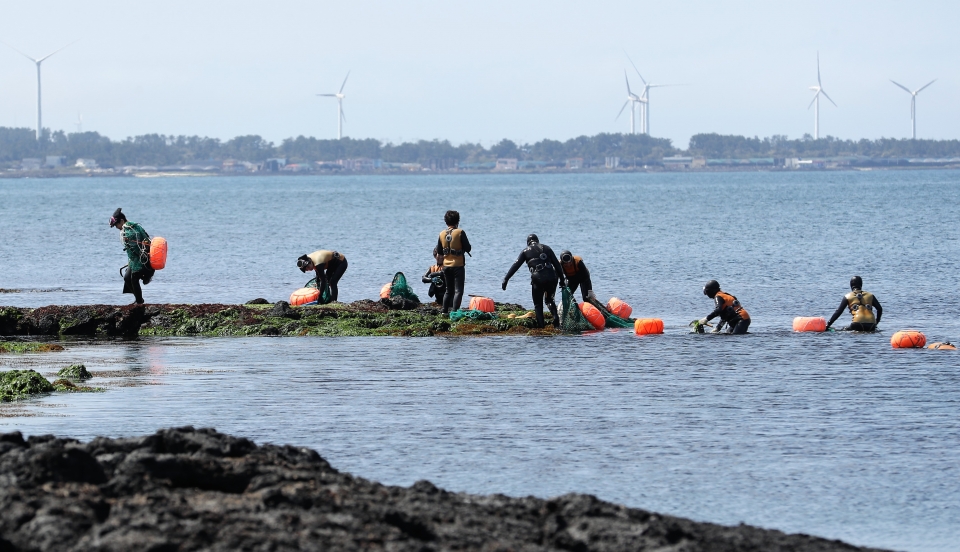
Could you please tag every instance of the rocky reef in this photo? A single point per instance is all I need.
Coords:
(280, 319)
(188, 489)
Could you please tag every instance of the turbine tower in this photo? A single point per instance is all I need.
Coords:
(645, 99)
(913, 103)
(632, 99)
(816, 101)
(38, 62)
(339, 96)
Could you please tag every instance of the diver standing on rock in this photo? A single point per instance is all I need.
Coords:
(861, 305)
(544, 271)
(576, 275)
(453, 245)
(136, 243)
(329, 267)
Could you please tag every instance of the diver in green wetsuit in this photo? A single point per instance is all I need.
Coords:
(136, 243)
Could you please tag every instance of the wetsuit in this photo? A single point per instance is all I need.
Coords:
(544, 268)
(136, 243)
(434, 277)
(329, 267)
(731, 312)
(453, 245)
(577, 275)
(861, 305)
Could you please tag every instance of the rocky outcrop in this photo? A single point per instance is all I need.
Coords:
(187, 489)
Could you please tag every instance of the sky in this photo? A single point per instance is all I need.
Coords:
(479, 71)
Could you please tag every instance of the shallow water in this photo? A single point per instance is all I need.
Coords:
(835, 434)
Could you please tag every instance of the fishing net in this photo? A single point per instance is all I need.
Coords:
(474, 314)
(611, 320)
(401, 295)
(325, 295)
(571, 319)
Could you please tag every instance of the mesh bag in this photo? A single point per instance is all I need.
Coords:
(325, 296)
(399, 288)
(611, 320)
(571, 319)
(459, 315)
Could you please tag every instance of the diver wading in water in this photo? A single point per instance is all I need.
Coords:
(577, 275)
(728, 308)
(453, 245)
(136, 243)
(434, 277)
(860, 304)
(329, 267)
(545, 270)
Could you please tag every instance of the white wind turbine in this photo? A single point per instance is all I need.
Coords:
(38, 62)
(339, 96)
(816, 101)
(913, 103)
(645, 99)
(632, 99)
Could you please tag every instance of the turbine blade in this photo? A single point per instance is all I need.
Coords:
(902, 86)
(621, 110)
(629, 93)
(820, 84)
(344, 82)
(18, 51)
(635, 67)
(328, 95)
(926, 85)
(814, 99)
(57, 50)
(829, 98)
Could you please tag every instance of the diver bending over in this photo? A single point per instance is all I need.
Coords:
(728, 308)
(329, 267)
(434, 277)
(576, 275)
(861, 304)
(544, 271)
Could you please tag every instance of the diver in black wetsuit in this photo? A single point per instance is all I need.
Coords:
(434, 277)
(861, 305)
(577, 275)
(544, 271)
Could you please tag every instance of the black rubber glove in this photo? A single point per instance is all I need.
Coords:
(504, 285)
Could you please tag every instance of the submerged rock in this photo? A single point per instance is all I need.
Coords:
(188, 489)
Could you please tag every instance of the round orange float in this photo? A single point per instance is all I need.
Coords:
(646, 326)
(158, 253)
(945, 346)
(908, 339)
(593, 315)
(385, 290)
(304, 295)
(809, 324)
(482, 304)
(619, 308)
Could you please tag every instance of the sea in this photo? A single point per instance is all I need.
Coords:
(835, 434)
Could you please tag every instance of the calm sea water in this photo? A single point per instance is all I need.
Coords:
(835, 434)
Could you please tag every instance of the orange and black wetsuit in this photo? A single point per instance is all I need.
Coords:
(434, 277)
(577, 275)
(731, 312)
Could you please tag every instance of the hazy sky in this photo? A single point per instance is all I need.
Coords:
(479, 71)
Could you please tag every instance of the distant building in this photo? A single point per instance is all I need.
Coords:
(54, 161)
(506, 164)
(274, 164)
(30, 164)
(575, 163)
(362, 164)
(612, 162)
(699, 163)
(86, 163)
(677, 162)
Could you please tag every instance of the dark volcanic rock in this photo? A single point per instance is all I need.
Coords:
(187, 489)
(257, 301)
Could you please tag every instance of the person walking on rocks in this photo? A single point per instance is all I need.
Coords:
(545, 270)
(453, 245)
(136, 243)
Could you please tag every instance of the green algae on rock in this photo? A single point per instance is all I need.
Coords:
(74, 372)
(28, 347)
(21, 384)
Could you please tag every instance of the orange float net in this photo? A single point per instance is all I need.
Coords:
(908, 339)
(158, 253)
(648, 326)
(593, 315)
(618, 307)
(945, 346)
(304, 295)
(809, 324)
(482, 304)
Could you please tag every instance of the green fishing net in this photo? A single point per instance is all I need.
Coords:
(325, 295)
(611, 320)
(399, 288)
(474, 314)
(571, 319)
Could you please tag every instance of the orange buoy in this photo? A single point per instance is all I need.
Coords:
(483, 304)
(593, 315)
(385, 290)
(645, 326)
(809, 324)
(619, 308)
(304, 295)
(945, 346)
(908, 339)
(158, 253)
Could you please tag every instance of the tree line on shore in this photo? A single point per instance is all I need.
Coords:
(157, 149)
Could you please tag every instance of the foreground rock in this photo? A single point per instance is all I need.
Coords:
(353, 319)
(186, 489)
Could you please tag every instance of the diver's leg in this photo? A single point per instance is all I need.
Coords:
(459, 277)
(549, 293)
(333, 278)
(448, 289)
(537, 293)
(131, 284)
(741, 327)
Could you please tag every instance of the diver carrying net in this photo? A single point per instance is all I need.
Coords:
(401, 294)
(325, 296)
(571, 319)
(611, 320)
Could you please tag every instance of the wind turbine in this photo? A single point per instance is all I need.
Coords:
(79, 123)
(816, 101)
(913, 103)
(339, 96)
(38, 62)
(631, 99)
(645, 99)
